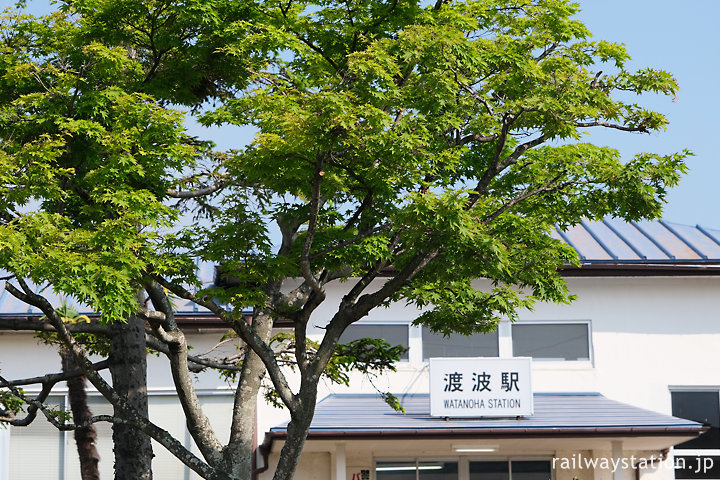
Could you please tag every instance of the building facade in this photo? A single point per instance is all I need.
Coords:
(619, 377)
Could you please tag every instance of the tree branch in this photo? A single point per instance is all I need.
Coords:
(494, 167)
(196, 363)
(197, 423)
(349, 313)
(288, 228)
(547, 51)
(525, 194)
(37, 325)
(519, 150)
(315, 203)
(317, 50)
(352, 241)
(38, 404)
(369, 276)
(475, 137)
(247, 333)
(32, 406)
(53, 378)
(498, 166)
(600, 123)
(477, 98)
(198, 192)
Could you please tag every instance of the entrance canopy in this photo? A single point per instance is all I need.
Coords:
(557, 416)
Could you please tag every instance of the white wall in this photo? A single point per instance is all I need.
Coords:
(4, 453)
(647, 334)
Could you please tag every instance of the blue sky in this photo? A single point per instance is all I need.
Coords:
(680, 37)
(676, 36)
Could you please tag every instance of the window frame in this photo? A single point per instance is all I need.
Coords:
(557, 361)
(408, 336)
(427, 359)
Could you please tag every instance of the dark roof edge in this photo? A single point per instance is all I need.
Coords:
(508, 432)
(197, 320)
(642, 269)
(620, 268)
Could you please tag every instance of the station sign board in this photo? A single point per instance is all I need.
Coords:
(481, 387)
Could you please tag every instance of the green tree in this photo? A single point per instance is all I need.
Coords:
(85, 163)
(405, 149)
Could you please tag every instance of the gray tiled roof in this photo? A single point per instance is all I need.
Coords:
(561, 412)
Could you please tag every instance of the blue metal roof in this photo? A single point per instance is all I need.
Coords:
(617, 241)
(554, 413)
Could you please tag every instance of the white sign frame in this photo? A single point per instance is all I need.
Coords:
(481, 387)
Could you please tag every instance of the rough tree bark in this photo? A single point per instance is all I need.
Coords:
(85, 437)
(128, 367)
(297, 432)
(238, 454)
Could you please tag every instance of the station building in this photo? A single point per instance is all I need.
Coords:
(621, 384)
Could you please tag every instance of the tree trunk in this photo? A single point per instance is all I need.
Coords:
(85, 437)
(133, 450)
(296, 435)
(238, 455)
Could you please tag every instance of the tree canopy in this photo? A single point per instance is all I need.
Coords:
(405, 148)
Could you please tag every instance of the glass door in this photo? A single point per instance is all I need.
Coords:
(417, 470)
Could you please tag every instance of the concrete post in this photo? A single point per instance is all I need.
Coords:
(340, 462)
(617, 453)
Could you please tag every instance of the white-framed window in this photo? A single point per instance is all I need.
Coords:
(565, 341)
(457, 345)
(394, 334)
(698, 458)
(559, 341)
(59, 453)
